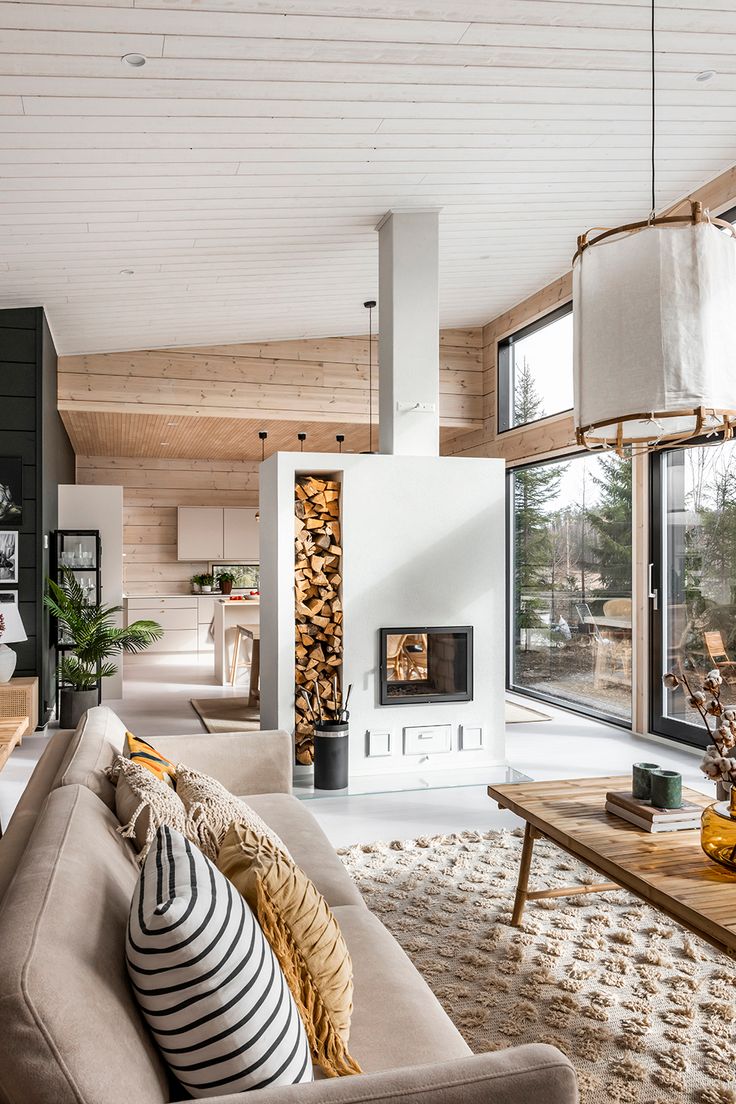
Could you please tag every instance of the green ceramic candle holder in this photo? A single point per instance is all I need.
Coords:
(666, 789)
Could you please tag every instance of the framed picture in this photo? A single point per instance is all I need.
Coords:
(7, 597)
(8, 555)
(11, 490)
(247, 576)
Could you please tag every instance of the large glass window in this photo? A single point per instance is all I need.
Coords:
(694, 550)
(570, 583)
(535, 370)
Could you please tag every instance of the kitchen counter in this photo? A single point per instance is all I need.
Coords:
(228, 615)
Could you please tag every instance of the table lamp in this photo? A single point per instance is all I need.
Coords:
(11, 632)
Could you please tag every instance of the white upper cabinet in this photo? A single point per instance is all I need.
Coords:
(214, 533)
(240, 535)
(200, 533)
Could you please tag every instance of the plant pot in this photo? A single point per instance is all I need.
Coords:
(74, 704)
(226, 586)
(206, 590)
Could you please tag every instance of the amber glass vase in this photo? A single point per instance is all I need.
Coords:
(718, 832)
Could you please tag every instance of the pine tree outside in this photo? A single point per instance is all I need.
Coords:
(572, 549)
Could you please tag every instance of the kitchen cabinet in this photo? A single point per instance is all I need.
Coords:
(211, 533)
(240, 535)
(177, 616)
(199, 533)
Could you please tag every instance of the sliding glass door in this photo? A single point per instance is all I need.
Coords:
(570, 583)
(693, 533)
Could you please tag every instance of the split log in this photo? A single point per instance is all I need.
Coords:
(317, 604)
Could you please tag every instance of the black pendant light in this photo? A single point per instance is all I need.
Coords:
(369, 305)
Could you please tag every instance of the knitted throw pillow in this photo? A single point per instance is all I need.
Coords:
(211, 809)
(305, 937)
(143, 803)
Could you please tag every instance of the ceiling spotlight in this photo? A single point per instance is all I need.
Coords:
(172, 423)
(706, 75)
(135, 61)
(127, 272)
(163, 443)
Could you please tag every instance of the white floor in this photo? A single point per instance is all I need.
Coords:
(156, 700)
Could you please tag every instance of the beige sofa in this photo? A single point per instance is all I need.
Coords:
(71, 1030)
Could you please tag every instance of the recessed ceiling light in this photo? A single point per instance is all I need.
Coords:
(706, 75)
(127, 272)
(172, 423)
(163, 443)
(135, 61)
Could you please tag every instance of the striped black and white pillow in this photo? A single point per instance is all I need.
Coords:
(207, 981)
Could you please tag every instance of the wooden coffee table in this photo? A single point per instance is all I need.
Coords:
(666, 869)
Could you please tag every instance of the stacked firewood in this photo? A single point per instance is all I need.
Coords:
(318, 610)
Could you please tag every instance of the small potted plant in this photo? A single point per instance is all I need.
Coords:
(206, 583)
(94, 640)
(226, 580)
(196, 581)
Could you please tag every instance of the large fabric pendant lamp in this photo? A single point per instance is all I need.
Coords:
(654, 340)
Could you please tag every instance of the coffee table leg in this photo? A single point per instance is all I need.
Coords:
(524, 867)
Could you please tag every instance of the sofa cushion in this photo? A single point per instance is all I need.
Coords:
(206, 979)
(211, 809)
(143, 802)
(72, 1033)
(305, 936)
(145, 755)
(308, 846)
(19, 828)
(97, 740)
(397, 1020)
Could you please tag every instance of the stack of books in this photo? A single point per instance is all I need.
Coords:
(647, 816)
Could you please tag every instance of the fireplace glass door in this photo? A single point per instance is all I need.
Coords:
(426, 665)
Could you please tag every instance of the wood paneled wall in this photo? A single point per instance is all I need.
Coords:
(556, 434)
(152, 490)
(202, 402)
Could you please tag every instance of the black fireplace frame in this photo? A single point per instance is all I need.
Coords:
(424, 699)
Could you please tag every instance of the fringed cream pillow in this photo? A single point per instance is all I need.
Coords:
(211, 809)
(305, 937)
(143, 803)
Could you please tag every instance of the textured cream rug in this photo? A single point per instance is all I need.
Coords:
(645, 1011)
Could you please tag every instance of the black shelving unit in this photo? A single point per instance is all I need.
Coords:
(78, 551)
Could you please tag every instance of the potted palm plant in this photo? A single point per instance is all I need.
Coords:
(94, 639)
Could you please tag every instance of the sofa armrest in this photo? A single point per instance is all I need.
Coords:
(514, 1076)
(245, 762)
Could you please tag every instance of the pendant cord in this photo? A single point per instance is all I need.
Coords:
(654, 111)
(370, 379)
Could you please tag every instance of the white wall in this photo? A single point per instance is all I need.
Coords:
(100, 508)
(423, 544)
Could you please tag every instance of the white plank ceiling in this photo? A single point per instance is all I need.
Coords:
(227, 191)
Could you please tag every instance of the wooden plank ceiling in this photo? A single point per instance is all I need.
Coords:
(227, 191)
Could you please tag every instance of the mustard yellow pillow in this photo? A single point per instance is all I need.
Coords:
(305, 937)
(142, 753)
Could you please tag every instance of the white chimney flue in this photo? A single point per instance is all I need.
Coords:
(408, 341)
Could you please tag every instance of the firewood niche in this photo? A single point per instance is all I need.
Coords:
(318, 605)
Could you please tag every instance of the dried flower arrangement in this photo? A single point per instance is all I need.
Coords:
(2, 624)
(717, 763)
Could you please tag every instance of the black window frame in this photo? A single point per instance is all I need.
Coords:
(504, 373)
(692, 735)
(548, 699)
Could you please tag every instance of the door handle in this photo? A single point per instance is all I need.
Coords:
(652, 591)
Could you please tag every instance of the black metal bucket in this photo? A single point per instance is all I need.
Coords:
(331, 757)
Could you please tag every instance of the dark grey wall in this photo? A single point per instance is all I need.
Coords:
(30, 427)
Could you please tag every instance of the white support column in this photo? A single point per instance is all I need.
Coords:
(408, 344)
